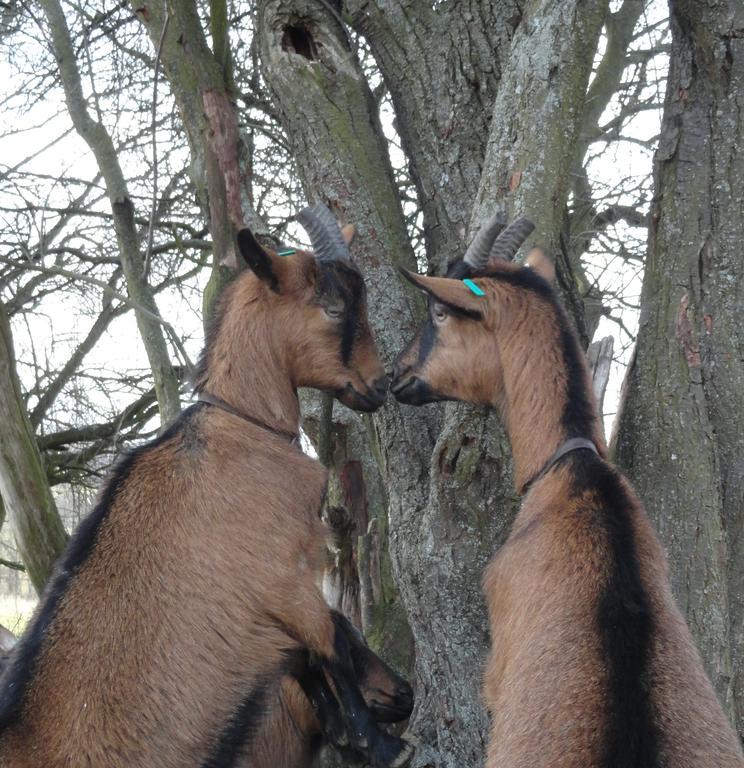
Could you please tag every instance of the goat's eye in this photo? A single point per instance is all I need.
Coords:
(335, 311)
(439, 312)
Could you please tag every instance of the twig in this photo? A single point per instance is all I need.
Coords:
(177, 343)
(153, 209)
(12, 565)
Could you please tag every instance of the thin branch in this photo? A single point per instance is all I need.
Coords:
(153, 209)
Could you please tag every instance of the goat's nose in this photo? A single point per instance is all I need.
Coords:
(399, 369)
(404, 695)
(380, 386)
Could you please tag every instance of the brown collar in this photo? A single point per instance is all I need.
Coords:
(218, 402)
(573, 444)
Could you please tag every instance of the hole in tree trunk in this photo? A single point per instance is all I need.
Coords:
(297, 39)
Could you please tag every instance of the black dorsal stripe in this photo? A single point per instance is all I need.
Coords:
(624, 621)
(242, 727)
(20, 670)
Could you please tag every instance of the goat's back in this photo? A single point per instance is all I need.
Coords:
(161, 632)
(592, 663)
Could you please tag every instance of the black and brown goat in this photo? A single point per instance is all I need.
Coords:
(592, 664)
(192, 585)
(291, 735)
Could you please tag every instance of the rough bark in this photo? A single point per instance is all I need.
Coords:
(442, 63)
(331, 120)
(441, 535)
(679, 433)
(99, 140)
(472, 499)
(535, 129)
(24, 488)
(201, 82)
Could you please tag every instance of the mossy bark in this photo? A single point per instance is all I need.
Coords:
(201, 81)
(679, 435)
(450, 502)
(37, 527)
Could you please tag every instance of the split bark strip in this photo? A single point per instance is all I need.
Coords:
(37, 527)
(98, 139)
(201, 83)
(600, 362)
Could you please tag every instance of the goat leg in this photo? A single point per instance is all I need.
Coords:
(383, 750)
(313, 682)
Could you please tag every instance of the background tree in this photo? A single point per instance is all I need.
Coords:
(679, 436)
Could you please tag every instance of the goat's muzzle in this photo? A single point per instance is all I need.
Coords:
(410, 389)
(369, 400)
(387, 708)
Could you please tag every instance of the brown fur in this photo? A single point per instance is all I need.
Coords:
(203, 571)
(548, 682)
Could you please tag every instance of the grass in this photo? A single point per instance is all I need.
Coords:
(15, 612)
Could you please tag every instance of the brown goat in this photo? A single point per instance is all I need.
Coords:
(592, 664)
(291, 735)
(191, 587)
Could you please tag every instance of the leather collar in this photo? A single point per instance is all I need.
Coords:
(573, 444)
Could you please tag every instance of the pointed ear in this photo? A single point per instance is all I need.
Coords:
(455, 294)
(538, 260)
(262, 261)
(348, 233)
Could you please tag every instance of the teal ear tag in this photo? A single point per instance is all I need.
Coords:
(474, 288)
(286, 252)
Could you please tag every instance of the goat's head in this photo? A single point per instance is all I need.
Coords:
(388, 696)
(319, 310)
(466, 317)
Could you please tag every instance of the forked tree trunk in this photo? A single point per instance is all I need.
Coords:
(681, 426)
(24, 488)
(443, 533)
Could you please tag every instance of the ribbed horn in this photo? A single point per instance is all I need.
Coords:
(477, 254)
(506, 245)
(325, 234)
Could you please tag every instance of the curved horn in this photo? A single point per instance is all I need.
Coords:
(325, 234)
(477, 254)
(506, 245)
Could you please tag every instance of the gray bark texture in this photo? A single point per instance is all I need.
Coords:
(201, 82)
(98, 139)
(679, 436)
(24, 488)
(451, 497)
(442, 65)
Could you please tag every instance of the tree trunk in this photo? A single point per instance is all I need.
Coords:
(442, 63)
(201, 83)
(24, 488)
(679, 433)
(98, 139)
(441, 535)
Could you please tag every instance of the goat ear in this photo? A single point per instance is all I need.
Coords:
(348, 233)
(538, 260)
(259, 259)
(456, 294)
